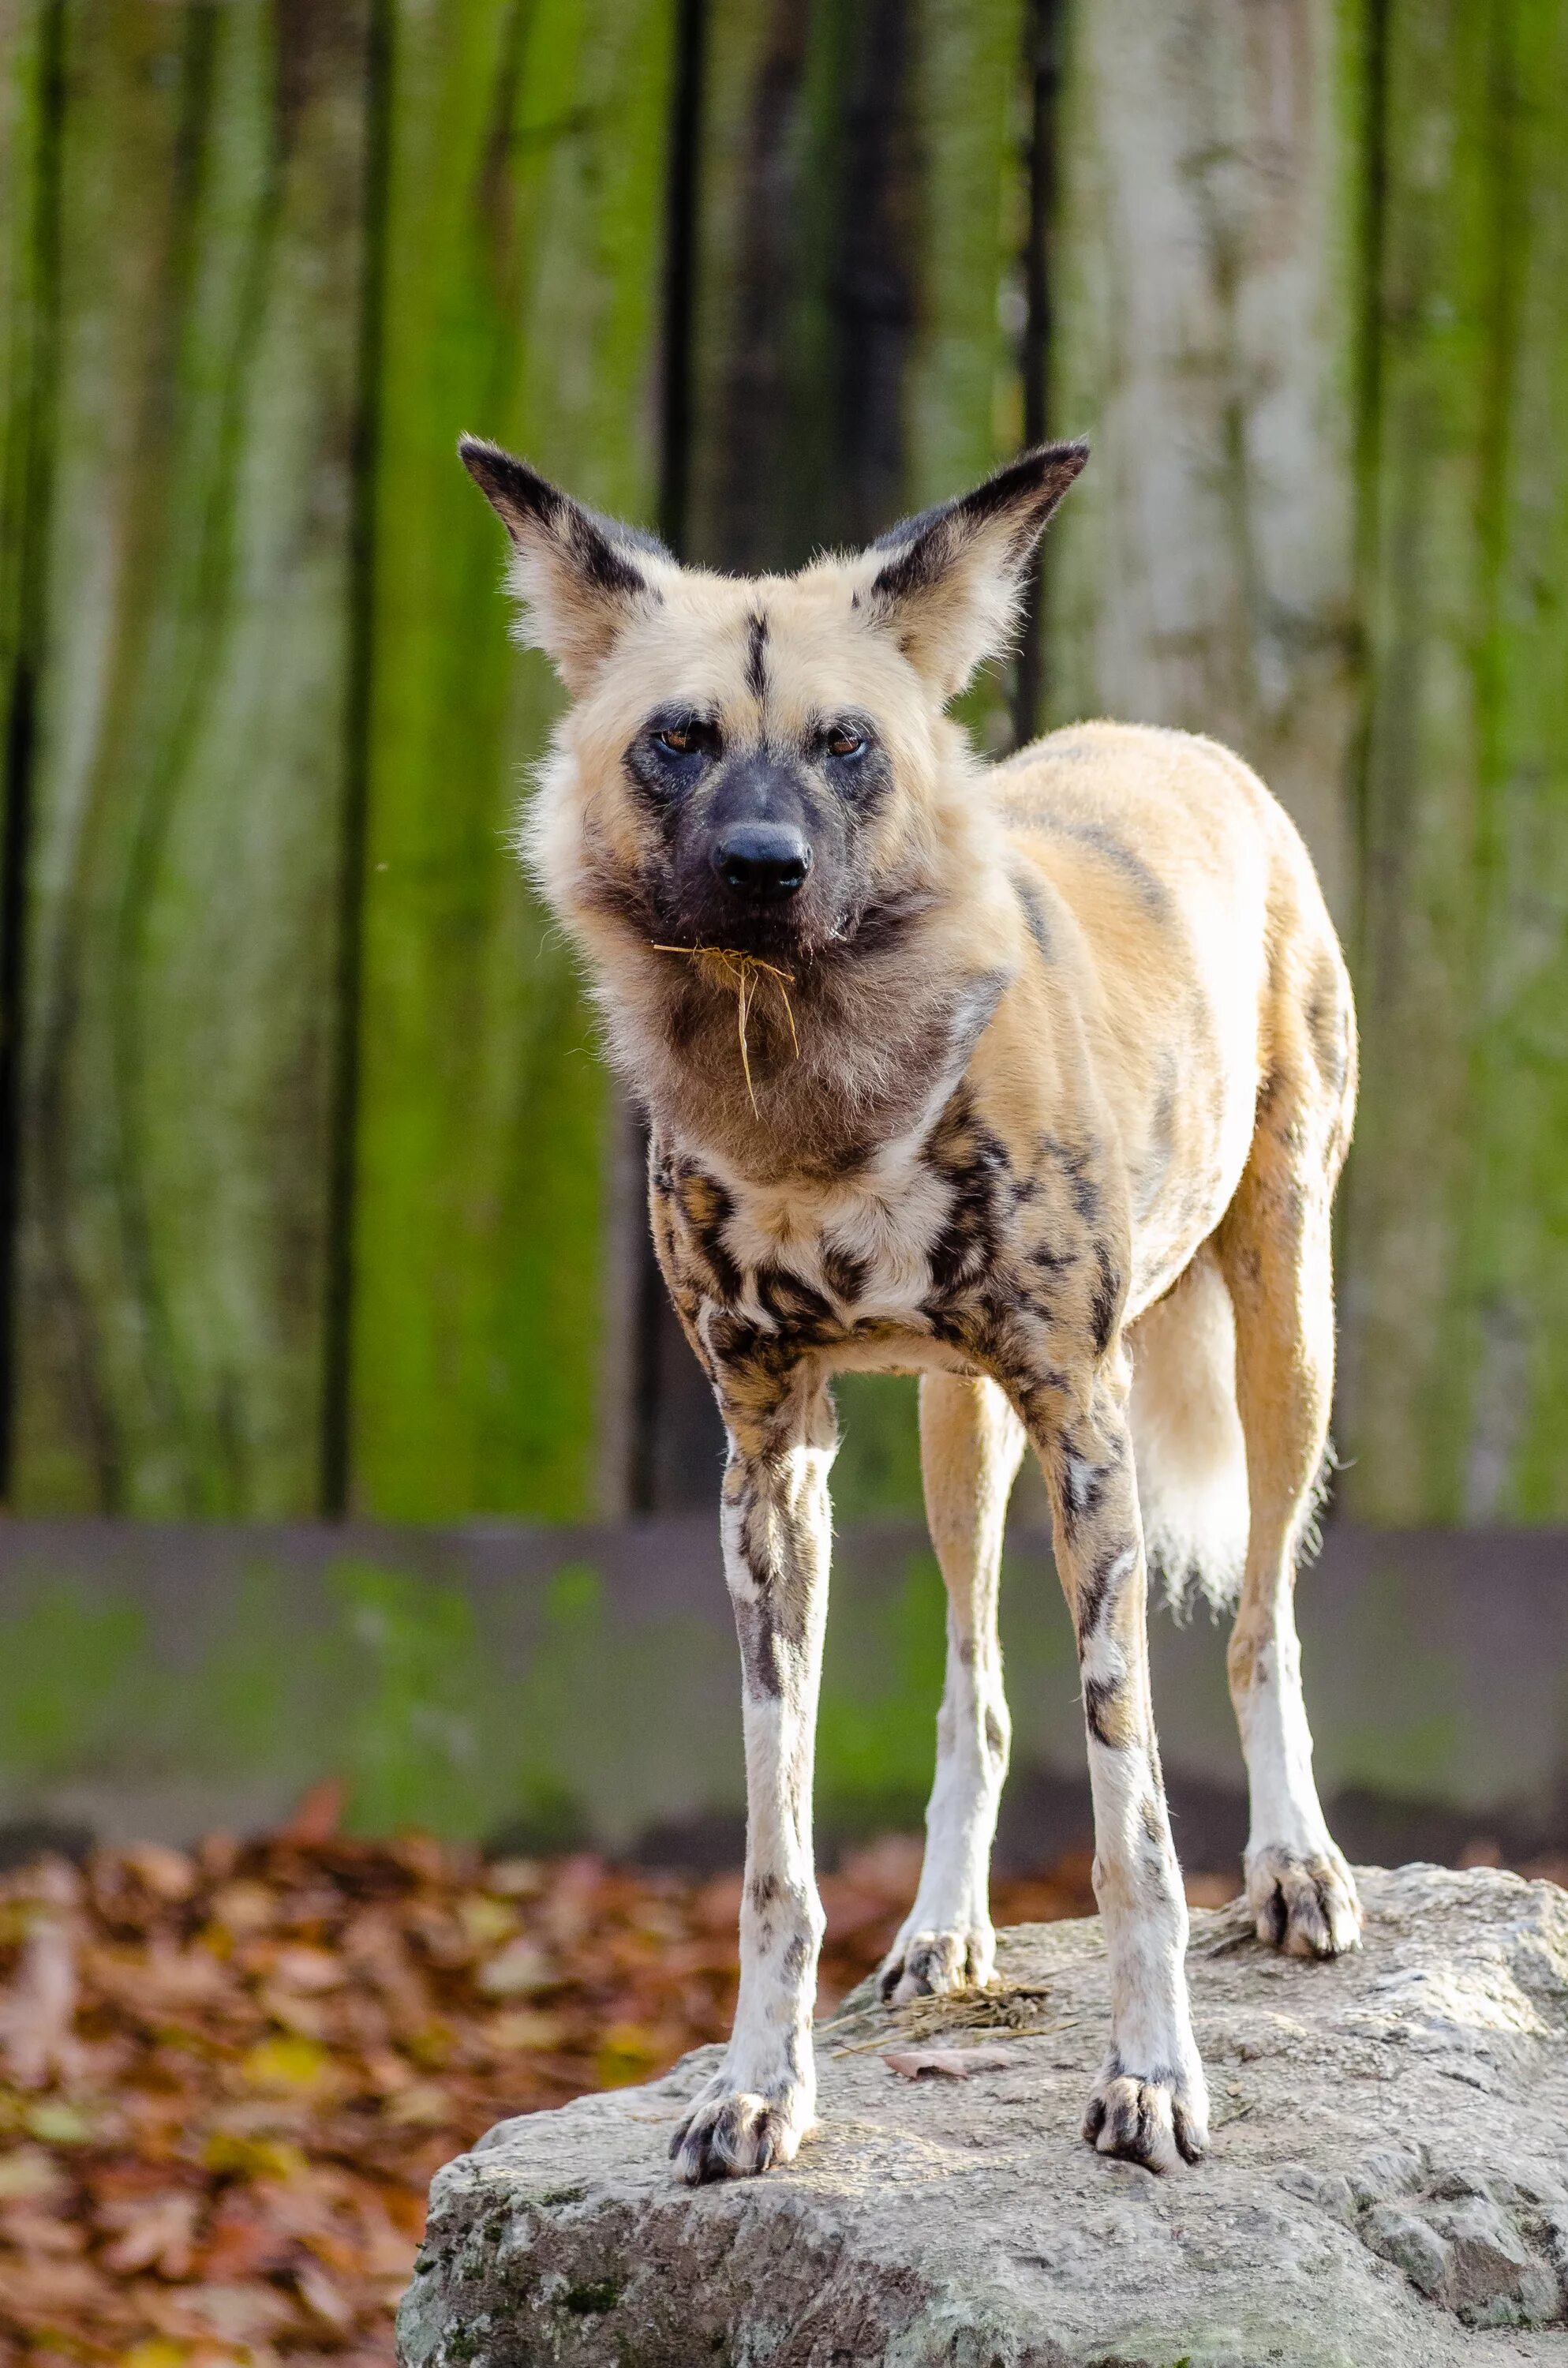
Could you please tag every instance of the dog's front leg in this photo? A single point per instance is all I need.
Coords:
(775, 1530)
(1149, 2102)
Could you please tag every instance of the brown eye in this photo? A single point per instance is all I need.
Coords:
(845, 741)
(676, 739)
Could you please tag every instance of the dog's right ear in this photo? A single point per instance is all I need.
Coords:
(579, 576)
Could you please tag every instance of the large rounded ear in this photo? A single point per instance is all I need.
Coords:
(579, 576)
(950, 583)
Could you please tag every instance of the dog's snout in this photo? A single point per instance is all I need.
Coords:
(763, 861)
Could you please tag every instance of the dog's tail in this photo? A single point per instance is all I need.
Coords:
(1186, 1438)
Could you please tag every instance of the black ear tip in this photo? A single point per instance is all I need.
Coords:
(478, 454)
(1064, 461)
(508, 484)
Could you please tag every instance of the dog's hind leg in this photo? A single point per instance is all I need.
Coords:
(1149, 2102)
(970, 1445)
(1273, 1247)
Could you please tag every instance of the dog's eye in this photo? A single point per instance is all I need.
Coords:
(844, 741)
(675, 740)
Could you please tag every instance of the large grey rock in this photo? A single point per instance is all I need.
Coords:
(1388, 2181)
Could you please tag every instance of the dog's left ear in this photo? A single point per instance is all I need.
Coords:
(579, 576)
(949, 582)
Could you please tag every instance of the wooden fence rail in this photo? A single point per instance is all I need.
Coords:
(313, 1193)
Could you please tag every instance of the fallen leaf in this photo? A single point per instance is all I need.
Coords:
(155, 2351)
(31, 2230)
(231, 2153)
(157, 2232)
(242, 2243)
(518, 1971)
(308, 1970)
(485, 1921)
(43, 2287)
(323, 2295)
(239, 1907)
(28, 2174)
(305, 2017)
(37, 2015)
(168, 1874)
(285, 2061)
(238, 2314)
(156, 1979)
(525, 2027)
(957, 2063)
(59, 2124)
(517, 1878)
(425, 2104)
(628, 2052)
(318, 1815)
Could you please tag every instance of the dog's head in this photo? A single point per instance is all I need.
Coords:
(757, 764)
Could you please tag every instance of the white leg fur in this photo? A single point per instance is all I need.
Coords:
(777, 1529)
(1279, 1746)
(970, 1444)
(1300, 1891)
(1151, 2101)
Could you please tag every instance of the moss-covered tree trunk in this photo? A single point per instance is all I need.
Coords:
(1456, 1284)
(523, 258)
(29, 107)
(30, 89)
(183, 883)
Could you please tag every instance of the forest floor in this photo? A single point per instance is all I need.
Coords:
(228, 2076)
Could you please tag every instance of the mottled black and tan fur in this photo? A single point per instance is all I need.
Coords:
(1053, 1118)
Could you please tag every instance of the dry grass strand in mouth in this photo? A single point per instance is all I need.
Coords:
(742, 974)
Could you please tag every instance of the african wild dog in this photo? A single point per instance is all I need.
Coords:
(1048, 1070)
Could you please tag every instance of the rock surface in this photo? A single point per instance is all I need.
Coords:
(1388, 2181)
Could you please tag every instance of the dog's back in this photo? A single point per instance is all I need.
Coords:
(1196, 902)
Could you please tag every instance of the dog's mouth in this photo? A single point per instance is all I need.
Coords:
(785, 929)
(806, 934)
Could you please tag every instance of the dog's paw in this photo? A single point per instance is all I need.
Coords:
(736, 2134)
(928, 1964)
(1303, 1902)
(1158, 2120)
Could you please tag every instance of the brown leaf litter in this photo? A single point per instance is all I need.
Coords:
(226, 2076)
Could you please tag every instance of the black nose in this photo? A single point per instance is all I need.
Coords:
(763, 860)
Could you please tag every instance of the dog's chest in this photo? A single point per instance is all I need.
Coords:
(832, 1265)
(866, 1255)
(925, 1258)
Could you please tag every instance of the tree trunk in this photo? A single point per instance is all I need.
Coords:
(1457, 1300)
(523, 244)
(187, 785)
(1207, 298)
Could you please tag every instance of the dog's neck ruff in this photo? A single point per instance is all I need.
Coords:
(806, 1069)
